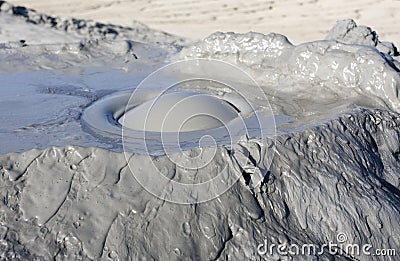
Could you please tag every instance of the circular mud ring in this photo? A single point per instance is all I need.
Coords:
(194, 114)
(190, 114)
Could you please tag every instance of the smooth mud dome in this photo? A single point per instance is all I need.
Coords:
(180, 111)
(70, 192)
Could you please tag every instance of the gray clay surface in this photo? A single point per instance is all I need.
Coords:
(333, 165)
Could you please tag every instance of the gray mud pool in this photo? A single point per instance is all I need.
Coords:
(155, 148)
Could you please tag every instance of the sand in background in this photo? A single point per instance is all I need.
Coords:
(299, 20)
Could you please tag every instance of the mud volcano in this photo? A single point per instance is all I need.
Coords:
(89, 173)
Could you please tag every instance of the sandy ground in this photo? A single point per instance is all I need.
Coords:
(299, 20)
